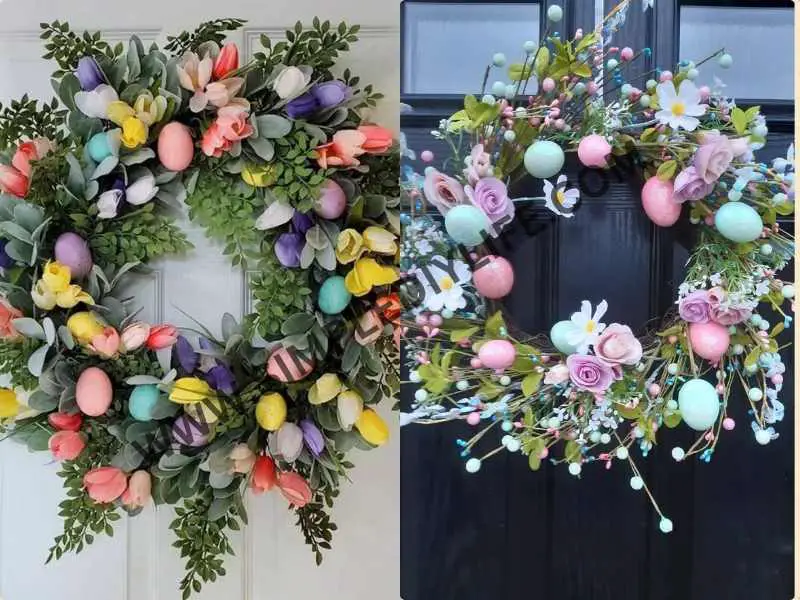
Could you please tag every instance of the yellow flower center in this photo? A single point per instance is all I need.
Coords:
(560, 197)
(446, 283)
(678, 109)
(590, 325)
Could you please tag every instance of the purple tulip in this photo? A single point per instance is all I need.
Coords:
(288, 247)
(330, 93)
(312, 437)
(221, 379)
(302, 106)
(187, 357)
(89, 74)
(302, 222)
(6, 261)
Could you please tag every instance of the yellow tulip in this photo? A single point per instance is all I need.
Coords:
(118, 111)
(72, 296)
(189, 390)
(367, 274)
(325, 389)
(372, 427)
(84, 326)
(377, 239)
(349, 406)
(259, 176)
(271, 411)
(207, 411)
(56, 276)
(9, 405)
(150, 110)
(134, 132)
(349, 246)
(42, 296)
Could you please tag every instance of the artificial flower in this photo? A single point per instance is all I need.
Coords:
(140, 488)
(150, 110)
(29, 152)
(291, 82)
(222, 93)
(6, 262)
(349, 246)
(7, 315)
(142, 190)
(108, 203)
(72, 296)
(479, 165)
(134, 132)
(368, 273)
(188, 390)
(65, 422)
(105, 484)
(42, 296)
(442, 283)
(587, 326)
(377, 139)
(372, 427)
(288, 247)
(221, 378)
(331, 93)
(9, 404)
(134, 336)
(118, 112)
(302, 106)
(715, 154)
(89, 73)
(263, 478)
(378, 239)
(556, 374)
(226, 62)
(66, 445)
(723, 311)
(491, 197)
(679, 110)
(13, 182)
(349, 406)
(261, 176)
(289, 441)
(312, 436)
(618, 346)
(233, 124)
(106, 344)
(162, 336)
(368, 329)
(84, 326)
(695, 307)
(214, 143)
(95, 103)
(689, 185)
(194, 75)
(56, 276)
(294, 488)
(325, 389)
(560, 200)
(443, 191)
(243, 458)
(342, 150)
(589, 373)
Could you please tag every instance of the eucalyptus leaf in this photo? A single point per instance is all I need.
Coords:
(29, 328)
(105, 167)
(273, 126)
(36, 361)
(263, 147)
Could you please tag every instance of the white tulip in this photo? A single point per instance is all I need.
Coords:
(107, 204)
(141, 191)
(290, 83)
(95, 103)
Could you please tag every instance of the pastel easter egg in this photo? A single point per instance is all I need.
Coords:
(699, 404)
(331, 202)
(333, 295)
(658, 203)
(271, 411)
(559, 335)
(709, 340)
(142, 401)
(189, 432)
(73, 251)
(593, 151)
(93, 392)
(544, 159)
(175, 147)
(493, 277)
(289, 365)
(99, 147)
(739, 222)
(497, 354)
(466, 224)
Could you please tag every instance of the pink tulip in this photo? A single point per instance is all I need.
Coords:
(134, 336)
(65, 422)
(379, 139)
(105, 484)
(139, 490)
(7, 314)
(227, 61)
(343, 150)
(222, 93)
(30, 151)
(263, 478)
(162, 336)
(66, 445)
(294, 488)
(107, 343)
(13, 182)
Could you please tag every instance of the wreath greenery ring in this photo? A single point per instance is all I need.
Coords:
(275, 160)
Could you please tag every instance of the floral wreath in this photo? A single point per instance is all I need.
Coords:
(274, 159)
(590, 391)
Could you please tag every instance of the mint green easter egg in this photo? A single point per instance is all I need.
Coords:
(99, 147)
(699, 404)
(739, 222)
(544, 159)
(333, 296)
(558, 335)
(142, 401)
(466, 224)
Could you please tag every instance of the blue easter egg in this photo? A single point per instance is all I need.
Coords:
(544, 159)
(699, 404)
(99, 148)
(466, 224)
(558, 335)
(142, 401)
(739, 222)
(333, 296)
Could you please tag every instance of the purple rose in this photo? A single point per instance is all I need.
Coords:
(6, 262)
(695, 307)
(690, 186)
(302, 106)
(187, 357)
(89, 74)
(302, 222)
(715, 154)
(288, 247)
(723, 313)
(330, 93)
(312, 437)
(589, 373)
(491, 196)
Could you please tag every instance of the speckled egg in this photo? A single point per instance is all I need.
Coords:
(73, 251)
(333, 295)
(93, 392)
(331, 202)
(288, 365)
(142, 401)
(175, 147)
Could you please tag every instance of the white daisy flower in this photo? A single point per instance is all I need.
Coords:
(680, 109)
(587, 326)
(560, 200)
(442, 282)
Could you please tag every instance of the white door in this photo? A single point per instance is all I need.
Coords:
(271, 562)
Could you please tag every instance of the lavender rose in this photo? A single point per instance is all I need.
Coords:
(695, 307)
(443, 191)
(618, 346)
(715, 154)
(690, 186)
(723, 313)
(491, 196)
(589, 373)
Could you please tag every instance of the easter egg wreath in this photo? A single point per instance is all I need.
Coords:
(274, 159)
(592, 392)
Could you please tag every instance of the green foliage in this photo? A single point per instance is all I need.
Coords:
(67, 47)
(14, 355)
(297, 177)
(317, 528)
(24, 119)
(318, 47)
(209, 31)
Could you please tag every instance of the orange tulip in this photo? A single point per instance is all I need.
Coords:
(378, 139)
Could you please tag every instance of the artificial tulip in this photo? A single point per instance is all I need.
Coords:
(107, 343)
(294, 488)
(105, 484)
(226, 62)
(162, 336)
(72, 296)
(140, 487)
(13, 182)
(134, 336)
(377, 139)
(66, 445)
(84, 326)
(9, 405)
(263, 477)
(65, 422)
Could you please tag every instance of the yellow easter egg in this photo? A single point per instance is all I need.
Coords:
(372, 427)
(271, 411)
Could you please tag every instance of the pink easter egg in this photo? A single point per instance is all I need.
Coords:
(289, 364)
(497, 354)
(93, 392)
(658, 203)
(493, 277)
(331, 202)
(73, 251)
(709, 340)
(175, 147)
(593, 150)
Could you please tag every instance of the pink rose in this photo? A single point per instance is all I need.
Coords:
(690, 186)
(480, 165)
(715, 154)
(232, 122)
(139, 490)
(443, 191)
(589, 373)
(491, 196)
(556, 374)
(134, 336)
(695, 307)
(723, 313)
(66, 445)
(618, 346)
(7, 314)
(105, 484)
(162, 336)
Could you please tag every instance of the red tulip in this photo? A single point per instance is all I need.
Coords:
(294, 488)
(65, 422)
(13, 182)
(226, 62)
(162, 336)
(263, 478)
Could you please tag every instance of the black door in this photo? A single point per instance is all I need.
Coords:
(509, 533)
